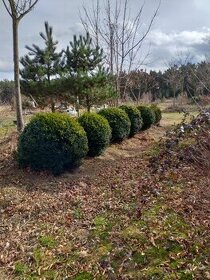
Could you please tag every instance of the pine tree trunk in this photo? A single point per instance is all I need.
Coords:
(88, 103)
(18, 101)
(52, 105)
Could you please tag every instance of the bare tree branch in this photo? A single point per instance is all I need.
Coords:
(19, 8)
(118, 33)
(147, 31)
(7, 8)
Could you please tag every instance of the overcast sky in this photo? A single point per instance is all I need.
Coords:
(180, 26)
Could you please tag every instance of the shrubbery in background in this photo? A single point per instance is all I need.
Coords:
(135, 118)
(98, 132)
(157, 112)
(147, 115)
(118, 121)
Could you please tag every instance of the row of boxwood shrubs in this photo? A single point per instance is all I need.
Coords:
(57, 142)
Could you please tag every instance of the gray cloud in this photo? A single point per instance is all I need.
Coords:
(166, 45)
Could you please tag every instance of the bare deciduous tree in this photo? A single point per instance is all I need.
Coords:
(17, 9)
(175, 75)
(120, 34)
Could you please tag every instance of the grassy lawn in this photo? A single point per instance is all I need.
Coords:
(6, 121)
(169, 119)
(7, 118)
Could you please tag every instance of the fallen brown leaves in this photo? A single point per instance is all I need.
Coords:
(113, 218)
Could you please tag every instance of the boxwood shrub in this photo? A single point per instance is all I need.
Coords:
(147, 115)
(118, 121)
(135, 118)
(52, 141)
(157, 112)
(98, 132)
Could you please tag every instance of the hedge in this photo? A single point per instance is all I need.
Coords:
(52, 141)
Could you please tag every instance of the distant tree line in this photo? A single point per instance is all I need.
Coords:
(191, 79)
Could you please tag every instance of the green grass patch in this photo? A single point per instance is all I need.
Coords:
(103, 250)
(102, 227)
(47, 241)
(153, 151)
(78, 214)
(174, 118)
(49, 275)
(38, 256)
(84, 276)
(156, 255)
(140, 258)
(20, 268)
(134, 231)
(187, 142)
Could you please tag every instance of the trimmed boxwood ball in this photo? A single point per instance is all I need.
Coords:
(147, 115)
(52, 141)
(118, 121)
(135, 118)
(157, 112)
(98, 132)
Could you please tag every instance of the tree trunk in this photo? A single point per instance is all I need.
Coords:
(18, 101)
(88, 103)
(174, 97)
(52, 101)
(52, 105)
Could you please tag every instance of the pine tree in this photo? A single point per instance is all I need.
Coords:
(89, 80)
(42, 66)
